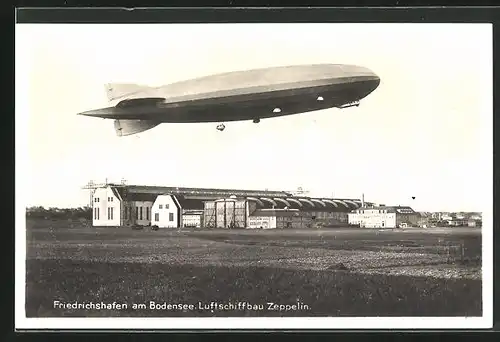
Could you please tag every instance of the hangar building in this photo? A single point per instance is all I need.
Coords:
(117, 205)
(120, 205)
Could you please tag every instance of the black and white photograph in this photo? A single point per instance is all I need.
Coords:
(254, 176)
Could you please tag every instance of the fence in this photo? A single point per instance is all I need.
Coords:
(458, 252)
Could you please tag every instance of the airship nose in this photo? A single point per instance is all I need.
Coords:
(376, 80)
(365, 79)
(358, 71)
(366, 75)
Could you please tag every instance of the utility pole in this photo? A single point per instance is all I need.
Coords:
(90, 186)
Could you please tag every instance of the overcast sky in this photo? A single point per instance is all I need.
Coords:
(425, 132)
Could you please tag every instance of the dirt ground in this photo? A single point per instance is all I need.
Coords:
(441, 268)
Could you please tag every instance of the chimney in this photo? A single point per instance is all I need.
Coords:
(362, 200)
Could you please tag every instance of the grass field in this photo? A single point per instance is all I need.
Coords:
(332, 272)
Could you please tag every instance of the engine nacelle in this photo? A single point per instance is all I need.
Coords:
(129, 127)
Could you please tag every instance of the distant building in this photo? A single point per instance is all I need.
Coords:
(192, 219)
(436, 216)
(446, 217)
(109, 208)
(475, 223)
(166, 212)
(457, 222)
(476, 217)
(384, 217)
(175, 211)
(279, 219)
(425, 220)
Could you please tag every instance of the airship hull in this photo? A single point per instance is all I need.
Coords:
(246, 106)
(244, 95)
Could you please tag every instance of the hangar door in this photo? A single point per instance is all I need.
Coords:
(230, 214)
(224, 214)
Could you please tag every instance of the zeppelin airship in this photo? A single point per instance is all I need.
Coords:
(234, 96)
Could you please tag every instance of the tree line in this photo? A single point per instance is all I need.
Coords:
(59, 213)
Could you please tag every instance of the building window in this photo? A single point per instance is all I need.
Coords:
(157, 217)
(140, 213)
(98, 213)
(95, 213)
(109, 215)
(136, 213)
(147, 213)
(161, 206)
(170, 217)
(111, 212)
(166, 206)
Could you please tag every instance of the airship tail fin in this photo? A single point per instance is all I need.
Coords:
(129, 127)
(115, 91)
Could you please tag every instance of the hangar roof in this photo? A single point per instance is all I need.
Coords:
(192, 198)
(133, 196)
(277, 213)
(204, 192)
(190, 204)
(307, 203)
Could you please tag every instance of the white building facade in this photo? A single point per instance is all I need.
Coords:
(262, 222)
(106, 209)
(166, 212)
(384, 217)
(192, 219)
(110, 209)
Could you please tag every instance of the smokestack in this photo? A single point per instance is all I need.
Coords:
(362, 200)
